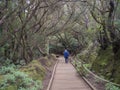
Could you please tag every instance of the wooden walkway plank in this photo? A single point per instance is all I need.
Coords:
(66, 78)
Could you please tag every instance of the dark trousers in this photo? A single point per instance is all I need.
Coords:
(66, 59)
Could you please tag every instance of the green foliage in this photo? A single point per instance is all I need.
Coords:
(101, 62)
(87, 65)
(7, 69)
(78, 66)
(88, 55)
(35, 70)
(17, 79)
(65, 40)
(110, 86)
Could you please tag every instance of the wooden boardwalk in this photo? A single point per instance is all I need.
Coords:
(66, 78)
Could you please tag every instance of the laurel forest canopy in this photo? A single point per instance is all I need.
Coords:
(90, 29)
(28, 26)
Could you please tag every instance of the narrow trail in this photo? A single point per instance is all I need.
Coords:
(66, 78)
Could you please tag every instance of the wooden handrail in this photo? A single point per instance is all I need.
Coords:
(96, 76)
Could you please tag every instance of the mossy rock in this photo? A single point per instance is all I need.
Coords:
(52, 57)
(45, 61)
(48, 60)
(35, 70)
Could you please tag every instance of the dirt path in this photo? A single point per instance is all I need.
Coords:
(66, 78)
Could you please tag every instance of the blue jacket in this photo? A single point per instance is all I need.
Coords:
(66, 54)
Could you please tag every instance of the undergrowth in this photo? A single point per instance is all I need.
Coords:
(13, 79)
(110, 86)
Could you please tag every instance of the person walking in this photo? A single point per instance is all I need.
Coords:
(66, 55)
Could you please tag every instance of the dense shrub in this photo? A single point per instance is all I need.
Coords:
(17, 80)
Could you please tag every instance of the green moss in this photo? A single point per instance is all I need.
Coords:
(104, 62)
(35, 70)
(11, 87)
(116, 75)
(45, 61)
(105, 55)
(1, 78)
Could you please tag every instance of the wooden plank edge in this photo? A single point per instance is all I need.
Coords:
(91, 86)
(52, 77)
